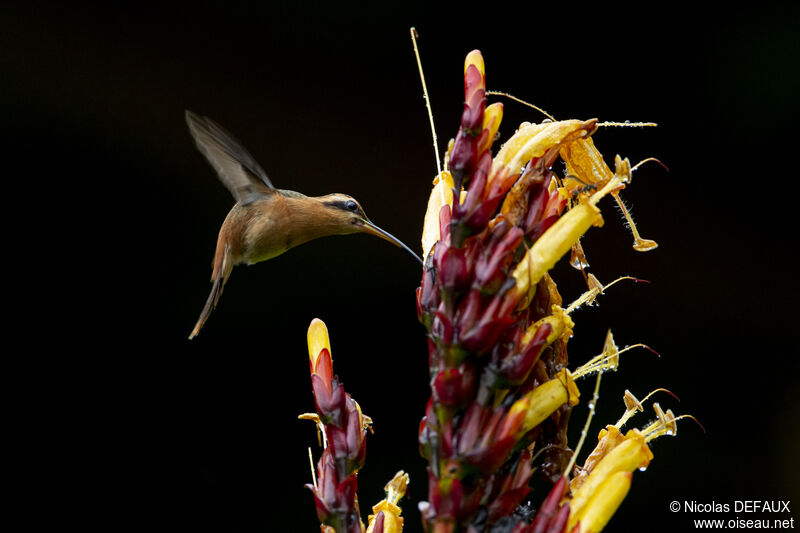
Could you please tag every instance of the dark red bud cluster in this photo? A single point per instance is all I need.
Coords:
(483, 441)
(335, 500)
(514, 366)
(510, 488)
(544, 209)
(464, 155)
(479, 353)
(345, 453)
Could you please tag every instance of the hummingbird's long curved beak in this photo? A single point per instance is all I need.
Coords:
(372, 229)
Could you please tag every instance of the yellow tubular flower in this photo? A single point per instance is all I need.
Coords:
(559, 238)
(553, 244)
(317, 340)
(543, 401)
(605, 503)
(629, 455)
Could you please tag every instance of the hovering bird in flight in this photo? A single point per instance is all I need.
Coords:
(266, 222)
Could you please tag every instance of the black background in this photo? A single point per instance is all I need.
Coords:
(128, 425)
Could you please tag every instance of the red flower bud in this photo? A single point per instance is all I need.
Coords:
(549, 510)
(454, 386)
(516, 369)
(451, 268)
(489, 270)
(329, 399)
(485, 335)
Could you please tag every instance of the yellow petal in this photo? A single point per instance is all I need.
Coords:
(392, 521)
(492, 117)
(534, 140)
(585, 162)
(317, 339)
(561, 323)
(605, 503)
(395, 490)
(629, 455)
(441, 194)
(543, 401)
(554, 243)
(475, 58)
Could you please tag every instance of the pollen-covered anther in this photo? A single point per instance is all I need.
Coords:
(663, 425)
(610, 436)
(608, 359)
(595, 289)
(623, 172)
(633, 405)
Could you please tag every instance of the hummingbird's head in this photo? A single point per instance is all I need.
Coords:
(349, 212)
(346, 209)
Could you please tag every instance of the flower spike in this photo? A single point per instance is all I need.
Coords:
(343, 427)
(501, 392)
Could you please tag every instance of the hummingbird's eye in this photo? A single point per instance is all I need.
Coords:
(351, 206)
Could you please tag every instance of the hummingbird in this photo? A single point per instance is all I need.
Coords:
(265, 222)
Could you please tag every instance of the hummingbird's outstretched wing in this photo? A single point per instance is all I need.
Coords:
(236, 168)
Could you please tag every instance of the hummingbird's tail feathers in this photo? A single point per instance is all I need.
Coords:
(222, 269)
